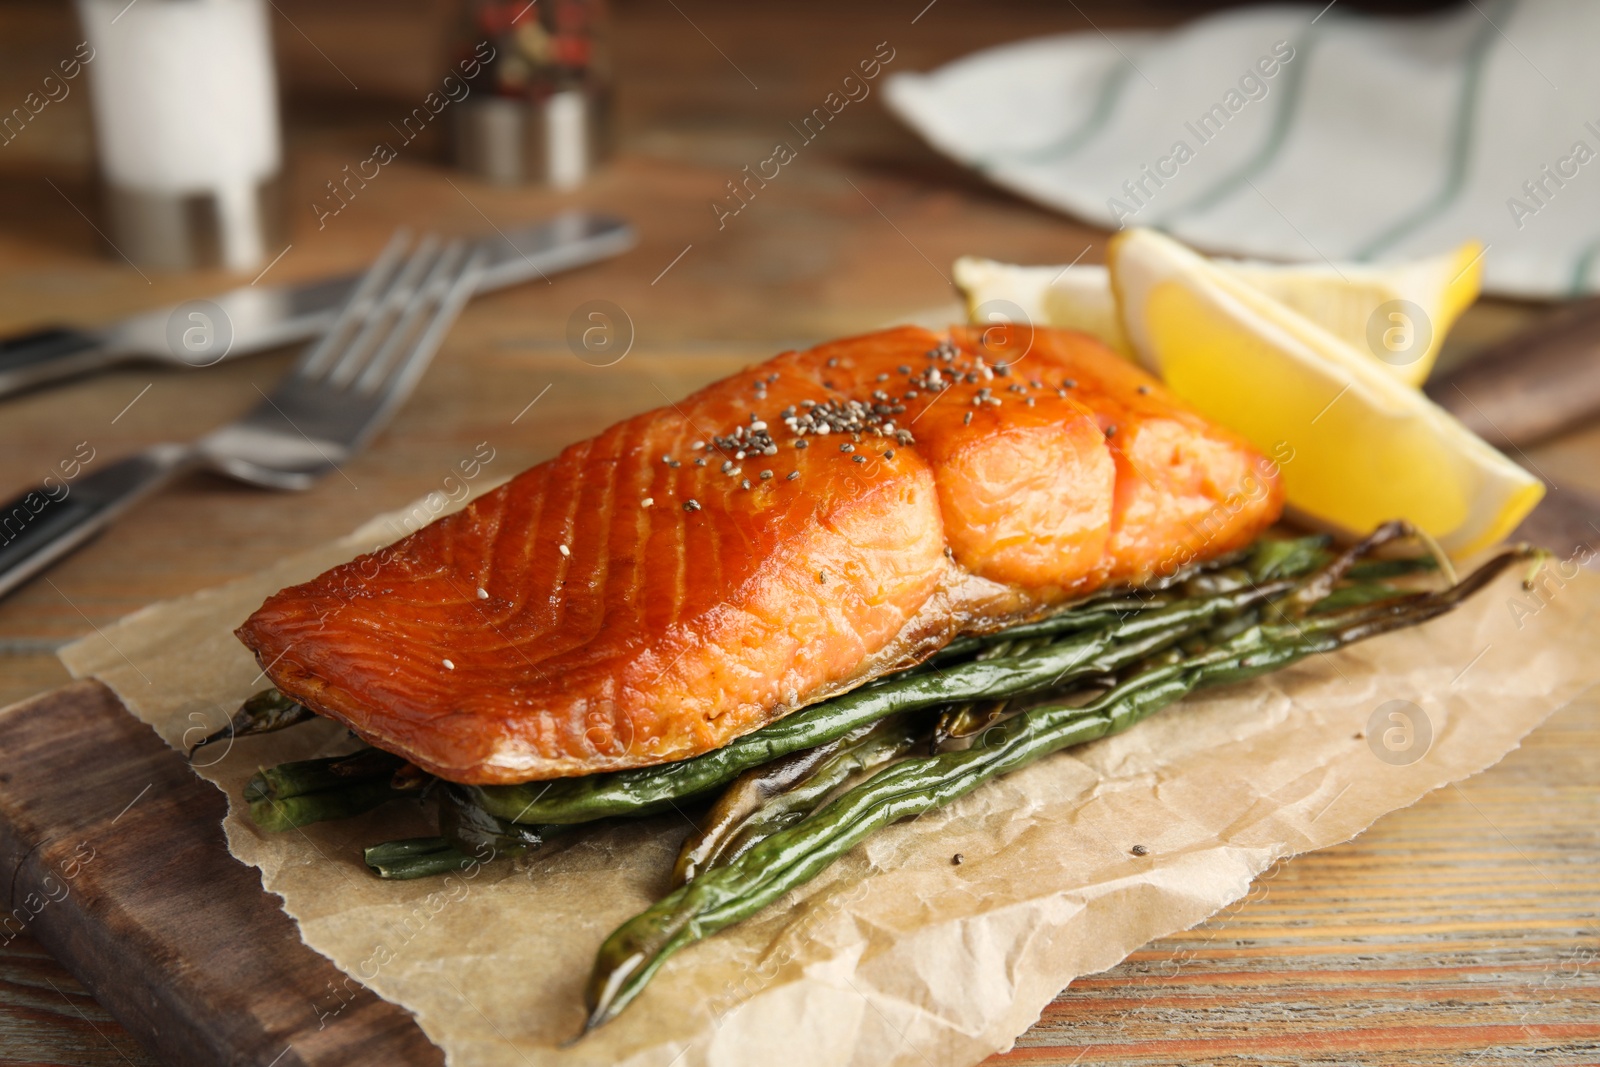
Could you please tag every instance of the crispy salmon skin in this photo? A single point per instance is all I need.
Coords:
(778, 537)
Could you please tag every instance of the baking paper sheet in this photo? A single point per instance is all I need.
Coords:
(896, 955)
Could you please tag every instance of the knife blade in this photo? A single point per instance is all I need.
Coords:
(261, 318)
(1539, 382)
(1567, 522)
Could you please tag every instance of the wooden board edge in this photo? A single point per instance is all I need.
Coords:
(112, 856)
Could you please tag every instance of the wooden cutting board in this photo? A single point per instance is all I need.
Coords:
(113, 851)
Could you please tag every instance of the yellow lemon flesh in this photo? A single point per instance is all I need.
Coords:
(1367, 306)
(1398, 313)
(1356, 446)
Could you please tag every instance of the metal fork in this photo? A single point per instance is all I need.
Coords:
(340, 392)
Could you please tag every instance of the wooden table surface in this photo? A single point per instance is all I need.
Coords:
(1461, 930)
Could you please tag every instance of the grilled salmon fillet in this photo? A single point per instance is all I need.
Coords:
(779, 537)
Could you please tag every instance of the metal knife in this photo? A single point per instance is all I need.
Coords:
(1541, 381)
(264, 318)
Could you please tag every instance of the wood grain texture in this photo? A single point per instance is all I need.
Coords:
(47, 1016)
(1460, 931)
(113, 859)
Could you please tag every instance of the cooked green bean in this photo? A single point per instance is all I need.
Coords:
(308, 791)
(1358, 593)
(315, 775)
(964, 720)
(276, 815)
(790, 858)
(266, 712)
(1321, 582)
(1373, 570)
(467, 834)
(415, 857)
(470, 828)
(1285, 557)
(744, 816)
(747, 793)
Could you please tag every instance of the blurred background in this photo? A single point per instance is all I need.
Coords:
(697, 92)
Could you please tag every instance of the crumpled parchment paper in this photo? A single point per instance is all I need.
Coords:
(895, 955)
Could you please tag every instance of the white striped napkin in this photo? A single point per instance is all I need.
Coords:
(1299, 133)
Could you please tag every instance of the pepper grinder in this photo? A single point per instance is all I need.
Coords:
(185, 106)
(539, 108)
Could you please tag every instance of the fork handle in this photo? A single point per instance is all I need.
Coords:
(47, 522)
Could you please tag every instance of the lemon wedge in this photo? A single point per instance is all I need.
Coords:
(1399, 313)
(1071, 297)
(1356, 446)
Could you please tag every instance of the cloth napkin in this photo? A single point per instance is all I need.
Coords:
(1304, 133)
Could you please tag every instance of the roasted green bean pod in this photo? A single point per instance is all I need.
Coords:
(308, 791)
(416, 857)
(792, 857)
(755, 806)
(267, 712)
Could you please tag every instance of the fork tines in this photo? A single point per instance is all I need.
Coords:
(397, 315)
